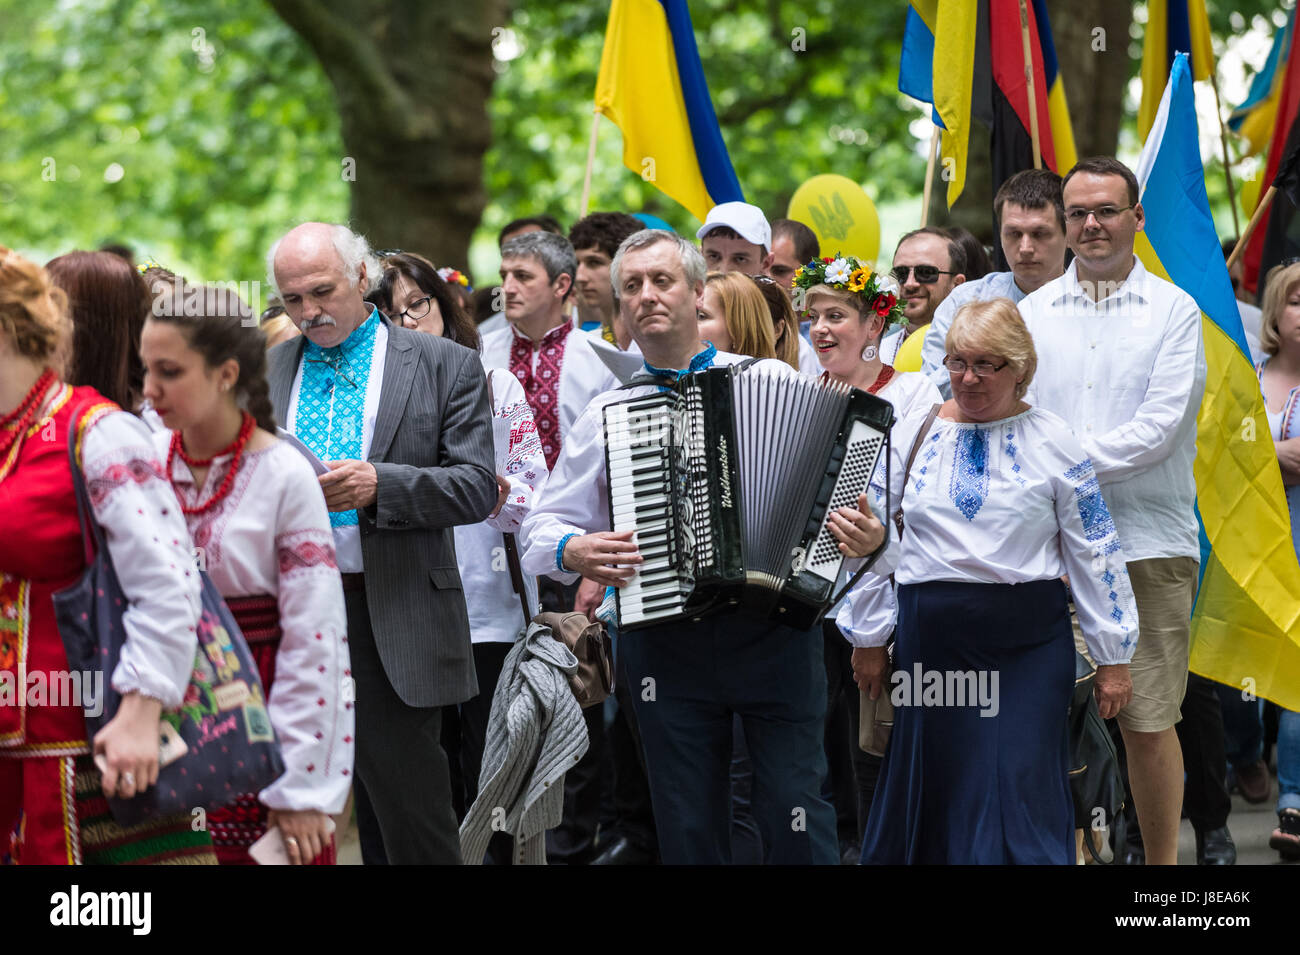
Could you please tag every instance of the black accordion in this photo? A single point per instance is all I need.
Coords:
(727, 478)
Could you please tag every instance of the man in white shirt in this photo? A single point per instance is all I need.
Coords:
(1031, 217)
(1120, 358)
(690, 677)
(928, 265)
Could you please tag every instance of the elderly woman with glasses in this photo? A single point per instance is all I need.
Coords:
(1000, 504)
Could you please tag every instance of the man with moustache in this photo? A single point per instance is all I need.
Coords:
(928, 264)
(1031, 217)
(690, 677)
(1121, 360)
(402, 421)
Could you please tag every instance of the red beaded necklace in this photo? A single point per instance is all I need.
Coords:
(236, 448)
(15, 423)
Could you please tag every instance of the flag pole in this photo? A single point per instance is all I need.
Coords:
(929, 177)
(1260, 209)
(1029, 80)
(1223, 141)
(591, 161)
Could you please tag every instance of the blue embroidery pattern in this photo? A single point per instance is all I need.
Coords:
(332, 400)
(931, 453)
(970, 473)
(1097, 522)
(1011, 450)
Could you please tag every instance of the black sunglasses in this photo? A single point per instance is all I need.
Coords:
(925, 274)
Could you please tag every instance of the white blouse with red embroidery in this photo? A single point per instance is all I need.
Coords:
(495, 613)
(271, 536)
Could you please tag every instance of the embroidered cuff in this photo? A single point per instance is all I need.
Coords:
(559, 553)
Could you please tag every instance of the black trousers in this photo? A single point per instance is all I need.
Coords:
(400, 762)
(852, 796)
(464, 736)
(633, 816)
(573, 841)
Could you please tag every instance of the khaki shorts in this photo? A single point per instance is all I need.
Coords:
(1165, 589)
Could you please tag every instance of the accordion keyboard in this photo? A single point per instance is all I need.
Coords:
(642, 465)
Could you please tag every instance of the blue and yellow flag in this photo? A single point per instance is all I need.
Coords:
(938, 59)
(1173, 26)
(1246, 625)
(1255, 118)
(651, 84)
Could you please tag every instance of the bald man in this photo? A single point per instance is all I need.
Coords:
(403, 423)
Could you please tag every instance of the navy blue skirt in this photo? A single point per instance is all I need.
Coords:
(977, 768)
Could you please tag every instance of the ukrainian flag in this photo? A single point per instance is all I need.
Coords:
(1173, 26)
(651, 84)
(937, 66)
(1257, 116)
(1246, 625)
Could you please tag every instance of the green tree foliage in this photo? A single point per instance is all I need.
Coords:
(219, 117)
(785, 77)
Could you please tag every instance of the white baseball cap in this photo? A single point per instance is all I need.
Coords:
(747, 221)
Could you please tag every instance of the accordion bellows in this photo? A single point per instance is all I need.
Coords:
(727, 478)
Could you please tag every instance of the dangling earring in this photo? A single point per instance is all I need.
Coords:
(870, 352)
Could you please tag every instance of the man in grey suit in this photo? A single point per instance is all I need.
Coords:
(403, 422)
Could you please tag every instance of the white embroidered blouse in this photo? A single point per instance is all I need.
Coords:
(1011, 501)
(271, 536)
(495, 614)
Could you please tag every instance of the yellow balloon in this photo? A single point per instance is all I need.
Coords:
(840, 213)
(909, 353)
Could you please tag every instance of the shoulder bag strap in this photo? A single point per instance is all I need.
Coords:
(92, 535)
(916, 446)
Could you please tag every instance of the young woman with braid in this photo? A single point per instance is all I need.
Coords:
(259, 525)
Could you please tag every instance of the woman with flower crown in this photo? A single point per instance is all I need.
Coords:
(849, 307)
(259, 525)
(53, 779)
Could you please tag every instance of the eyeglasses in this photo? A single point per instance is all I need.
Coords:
(1079, 215)
(417, 309)
(925, 274)
(273, 311)
(982, 369)
(335, 366)
(762, 279)
(385, 253)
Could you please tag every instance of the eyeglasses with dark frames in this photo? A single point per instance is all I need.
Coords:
(925, 274)
(982, 369)
(417, 309)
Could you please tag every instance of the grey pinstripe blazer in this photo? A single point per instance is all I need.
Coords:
(432, 450)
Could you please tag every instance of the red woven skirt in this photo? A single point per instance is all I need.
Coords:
(240, 824)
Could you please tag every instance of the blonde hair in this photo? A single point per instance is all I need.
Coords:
(995, 327)
(1279, 283)
(33, 310)
(749, 321)
(278, 329)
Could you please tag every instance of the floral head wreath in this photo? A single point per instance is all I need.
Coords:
(454, 277)
(847, 273)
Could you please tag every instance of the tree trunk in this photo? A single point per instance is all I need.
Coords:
(1092, 54)
(412, 79)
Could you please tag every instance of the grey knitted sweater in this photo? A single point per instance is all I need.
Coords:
(534, 734)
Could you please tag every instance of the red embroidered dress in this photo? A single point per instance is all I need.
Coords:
(48, 795)
(542, 383)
